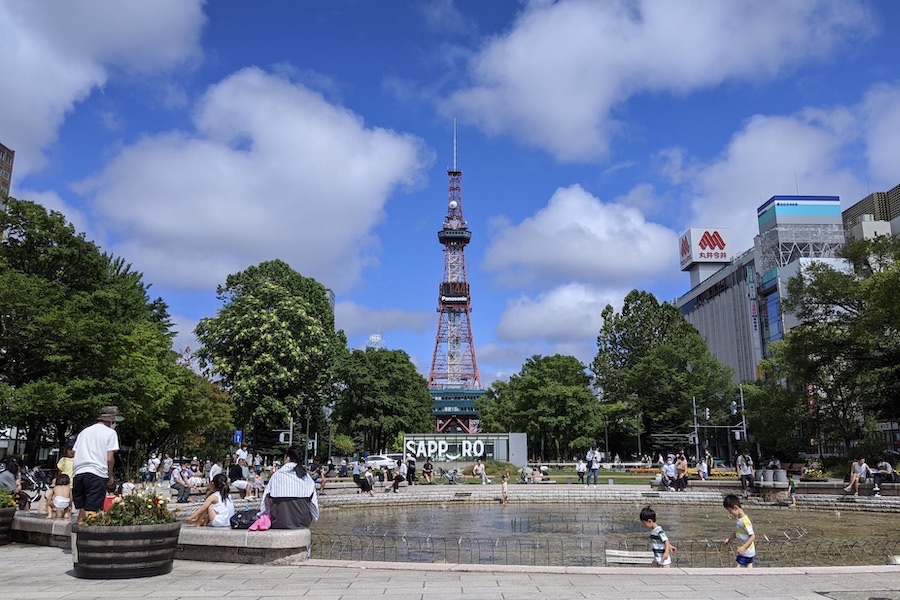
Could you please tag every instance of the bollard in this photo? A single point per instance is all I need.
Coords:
(611, 481)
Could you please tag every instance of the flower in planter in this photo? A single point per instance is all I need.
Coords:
(7, 500)
(133, 510)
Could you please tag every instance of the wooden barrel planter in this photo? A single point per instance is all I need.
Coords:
(124, 551)
(6, 519)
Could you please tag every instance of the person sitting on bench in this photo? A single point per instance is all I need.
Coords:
(884, 473)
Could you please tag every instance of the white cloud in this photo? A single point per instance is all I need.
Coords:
(52, 201)
(567, 313)
(578, 237)
(356, 320)
(881, 116)
(772, 156)
(556, 78)
(184, 334)
(56, 53)
(273, 171)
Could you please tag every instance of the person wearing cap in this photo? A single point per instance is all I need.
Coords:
(95, 457)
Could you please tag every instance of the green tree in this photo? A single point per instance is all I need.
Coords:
(78, 331)
(779, 418)
(272, 345)
(650, 366)
(550, 399)
(847, 345)
(381, 395)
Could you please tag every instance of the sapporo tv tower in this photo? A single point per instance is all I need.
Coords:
(454, 379)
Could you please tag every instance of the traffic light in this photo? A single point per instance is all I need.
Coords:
(706, 410)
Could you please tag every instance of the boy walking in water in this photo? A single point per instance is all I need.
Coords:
(743, 532)
(659, 541)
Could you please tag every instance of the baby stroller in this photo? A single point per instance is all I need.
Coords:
(33, 488)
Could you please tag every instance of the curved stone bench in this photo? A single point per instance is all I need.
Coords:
(223, 544)
(211, 544)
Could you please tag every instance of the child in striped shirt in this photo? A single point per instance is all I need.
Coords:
(659, 541)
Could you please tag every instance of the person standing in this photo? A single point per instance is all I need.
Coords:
(681, 473)
(152, 468)
(580, 470)
(743, 532)
(95, 459)
(593, 458)
(504, 489)
(167, 466)
(659, 541)
(745, 472)
(358, 470)
(410, 469)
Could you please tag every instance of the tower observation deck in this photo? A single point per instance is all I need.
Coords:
(454, 379)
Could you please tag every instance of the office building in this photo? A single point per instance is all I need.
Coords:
(738, 307)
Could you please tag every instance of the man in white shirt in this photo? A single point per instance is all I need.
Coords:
(95, 458)
(241, 453)
(215, 469)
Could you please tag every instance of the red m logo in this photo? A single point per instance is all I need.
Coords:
(712, 241)
(685, 246)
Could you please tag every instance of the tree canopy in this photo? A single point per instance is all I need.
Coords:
(272, 345)
(78, 331)
(381, 395)
(550, 399)
(651, 363)
(847, 345)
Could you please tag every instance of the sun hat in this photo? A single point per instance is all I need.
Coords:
(111, 414)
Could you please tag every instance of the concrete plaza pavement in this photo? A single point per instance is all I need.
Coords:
(40, 572)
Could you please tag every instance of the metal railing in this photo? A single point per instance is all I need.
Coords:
(583, 551)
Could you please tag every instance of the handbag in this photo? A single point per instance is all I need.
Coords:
(243, 519)
(262, 523)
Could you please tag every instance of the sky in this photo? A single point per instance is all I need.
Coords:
(195, 139)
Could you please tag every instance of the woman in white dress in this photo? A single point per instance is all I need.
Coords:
(218, 507)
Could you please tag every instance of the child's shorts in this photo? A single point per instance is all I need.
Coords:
(744, 561)
(658, 559)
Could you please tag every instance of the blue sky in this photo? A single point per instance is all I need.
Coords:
(196, 138)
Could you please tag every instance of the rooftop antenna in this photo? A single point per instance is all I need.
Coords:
(454, 143)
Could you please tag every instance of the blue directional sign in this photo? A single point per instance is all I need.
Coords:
(238, 436)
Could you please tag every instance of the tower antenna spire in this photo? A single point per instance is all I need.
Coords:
(454, 143)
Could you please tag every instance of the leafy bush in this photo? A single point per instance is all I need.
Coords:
(133, 510)
(6, 498)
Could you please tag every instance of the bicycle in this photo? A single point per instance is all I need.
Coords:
(453, 476)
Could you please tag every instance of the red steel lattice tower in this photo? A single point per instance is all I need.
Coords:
(453, 365)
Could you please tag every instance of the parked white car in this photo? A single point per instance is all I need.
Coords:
(381, 461)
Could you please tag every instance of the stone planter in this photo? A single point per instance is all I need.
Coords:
(6, 519)
(125, 551)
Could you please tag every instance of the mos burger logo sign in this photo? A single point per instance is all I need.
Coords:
(704, 245)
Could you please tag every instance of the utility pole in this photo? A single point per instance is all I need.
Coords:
(696, 430)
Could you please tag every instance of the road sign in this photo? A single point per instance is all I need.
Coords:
(238, 436)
